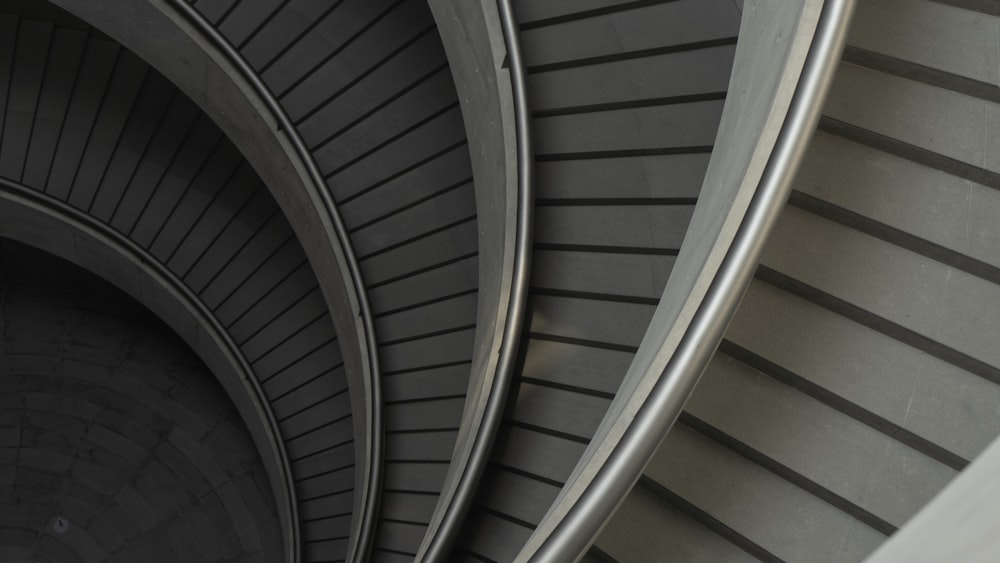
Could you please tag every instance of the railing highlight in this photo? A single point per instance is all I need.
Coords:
(370, 457)
(785, 60)
(506, 220)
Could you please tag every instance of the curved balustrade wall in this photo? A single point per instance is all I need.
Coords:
(859, 375)
(367, 86)
(620, 154)
(88, 124)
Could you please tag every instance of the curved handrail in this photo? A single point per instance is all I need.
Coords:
(82, 222)
(485, 420)
(363, 534)
(710, 280)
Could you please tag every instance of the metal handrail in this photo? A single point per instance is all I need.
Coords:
(571, 534)
(360, 545)
(125, 246)
(482, 447)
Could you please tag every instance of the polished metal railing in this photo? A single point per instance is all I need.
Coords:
(785, 60)
(486, 423)
(370, 460)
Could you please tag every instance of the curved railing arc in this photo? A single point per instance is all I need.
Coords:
(489, 74)
(784, 65)
(363, 534)
(37, 210)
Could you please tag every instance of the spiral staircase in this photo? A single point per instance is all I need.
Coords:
(599, 280)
